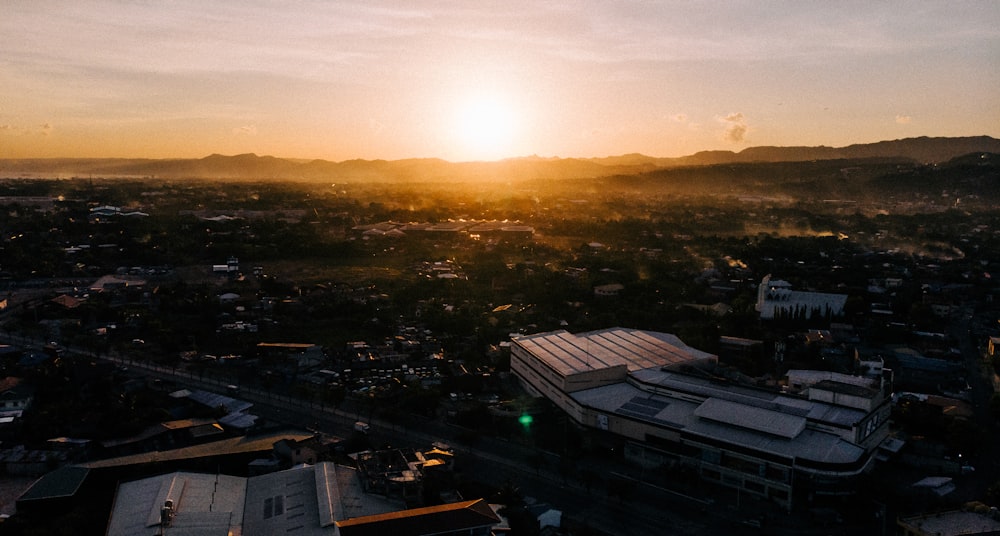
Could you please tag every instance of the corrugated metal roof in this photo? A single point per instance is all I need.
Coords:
(306, 500)
(203, 504)
(569, 354)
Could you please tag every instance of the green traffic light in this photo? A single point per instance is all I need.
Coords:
(525, 420)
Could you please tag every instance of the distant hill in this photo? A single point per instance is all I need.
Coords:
(974, 177)
(922, 150)
(254, 167)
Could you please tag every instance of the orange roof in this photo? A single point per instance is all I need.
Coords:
(427, 520)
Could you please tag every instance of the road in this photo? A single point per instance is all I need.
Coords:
(645, 509)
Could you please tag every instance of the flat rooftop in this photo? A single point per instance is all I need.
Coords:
(765, 421)
(954, 523)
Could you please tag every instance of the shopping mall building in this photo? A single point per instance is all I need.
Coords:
(659, 399)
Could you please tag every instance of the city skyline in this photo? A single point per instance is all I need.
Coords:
(388, 80)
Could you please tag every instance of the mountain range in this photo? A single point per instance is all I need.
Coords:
(922, 150)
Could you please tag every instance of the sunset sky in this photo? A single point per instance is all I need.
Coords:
(473, 80)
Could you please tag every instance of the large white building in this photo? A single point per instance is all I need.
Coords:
(640, 388)
(776, 299)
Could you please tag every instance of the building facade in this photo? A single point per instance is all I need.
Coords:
(645, 390)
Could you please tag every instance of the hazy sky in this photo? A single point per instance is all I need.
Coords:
(465, 80)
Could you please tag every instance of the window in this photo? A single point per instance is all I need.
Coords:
(870, 426)
(274, 506)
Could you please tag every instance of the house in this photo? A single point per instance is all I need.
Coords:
(166, 435)
(66, 301)
(106, 213)
(237, 416)
(312, 450)
(993, 348)
(302, 355)
(15, 397)
(936, 486)
(609, 290)
(116, 283)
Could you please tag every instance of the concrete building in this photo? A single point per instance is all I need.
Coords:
(640, 389)
(776, 299)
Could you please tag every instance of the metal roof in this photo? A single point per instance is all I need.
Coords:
(636, 349)
(306, 500)
(262, 443)
(63, 482)
(703, 388)
(756, 432)
(461, 517)
(953, 523)
(753, 418)
(203, 504)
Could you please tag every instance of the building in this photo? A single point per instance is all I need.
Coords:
(54, 491)
(321, 499)
(611, 289)
(951, 523)
(993, 346)
(776, 299)
(403, 473)
(15, 398)
(643, 391)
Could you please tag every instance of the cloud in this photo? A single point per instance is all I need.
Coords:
(246, 130)
(735, 133)
(735, 130)
(904, 119)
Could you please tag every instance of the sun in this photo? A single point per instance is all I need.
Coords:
(485, 127)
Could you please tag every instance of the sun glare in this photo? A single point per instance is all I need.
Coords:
(485, 127)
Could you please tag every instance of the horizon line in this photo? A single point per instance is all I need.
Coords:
(498, 160)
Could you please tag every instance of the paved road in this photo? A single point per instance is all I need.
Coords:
(645, 510)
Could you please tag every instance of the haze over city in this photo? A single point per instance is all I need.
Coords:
(488, 80)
